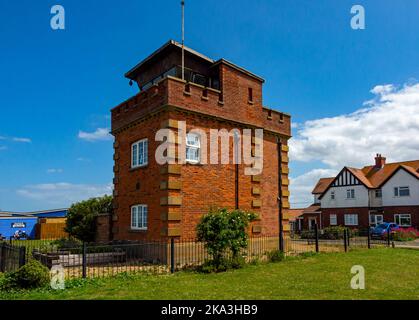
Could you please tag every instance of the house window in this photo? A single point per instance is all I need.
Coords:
(378, 193)
(139, 217)
(403, 220)
(332, 195)
(401, 192)
(351, 219)
(193, 145)
(350, 194)
(333, 220)
(139, 153)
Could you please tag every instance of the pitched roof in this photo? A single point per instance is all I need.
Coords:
(322, 185)
(314, 208)
(293, 214)
(378, 176)
(371, 176)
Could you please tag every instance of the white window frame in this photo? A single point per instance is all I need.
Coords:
(139, 217)
(136, 156)
(333, 219)
(193, 146)
(350, 194)
(351, 219)
(397, 191)
(398, 216)
(378, 193)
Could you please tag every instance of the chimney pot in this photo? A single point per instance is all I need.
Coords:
(380, 161)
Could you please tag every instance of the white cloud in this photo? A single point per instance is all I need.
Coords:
(63, 194)
(389, 124)
(83, 159)
(101, 134)
(23, 140)
(301, 186)
(53, 170)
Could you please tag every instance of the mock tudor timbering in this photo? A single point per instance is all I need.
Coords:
(175, 195)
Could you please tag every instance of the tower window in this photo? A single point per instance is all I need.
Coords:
(250, 95)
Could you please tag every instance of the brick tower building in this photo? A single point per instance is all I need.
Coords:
(153, 201)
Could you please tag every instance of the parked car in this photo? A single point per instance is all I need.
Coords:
(381, 231)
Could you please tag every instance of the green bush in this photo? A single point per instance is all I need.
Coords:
(334, 233)
(224, 264)
(224, 232)
(81, 217)
(31, 275)
(275, 256)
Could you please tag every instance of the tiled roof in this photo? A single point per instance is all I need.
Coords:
(378, 176)
(322, 185)
(371, 176)
(312, 209)
(294, 213)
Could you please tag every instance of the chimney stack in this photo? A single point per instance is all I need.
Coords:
(380, 161)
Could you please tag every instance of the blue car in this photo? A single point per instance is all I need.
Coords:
(383, 229)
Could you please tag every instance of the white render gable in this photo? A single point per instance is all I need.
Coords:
(401, 179)
(346, 191)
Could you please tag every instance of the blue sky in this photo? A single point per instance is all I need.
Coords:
(54, 84)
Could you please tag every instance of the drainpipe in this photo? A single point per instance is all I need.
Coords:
(236, 182)
(280, 214)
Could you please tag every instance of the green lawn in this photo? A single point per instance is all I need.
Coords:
(390, 274)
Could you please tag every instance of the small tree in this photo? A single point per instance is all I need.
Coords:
(81, 217)
(221, 230)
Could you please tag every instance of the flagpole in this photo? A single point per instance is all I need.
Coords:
(183, 39)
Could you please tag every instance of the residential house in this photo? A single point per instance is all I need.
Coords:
(358, 198)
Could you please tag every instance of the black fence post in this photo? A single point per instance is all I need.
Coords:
(388, 237)
(2, 257)
(22, 256)
(84, 261)
(345, 240)
(172, 255)
(369, 237)
(316, 234)
(348, 236)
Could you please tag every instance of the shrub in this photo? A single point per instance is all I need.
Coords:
(31, 275)
(307, 234)
(81, 217)
(407, 234)
(275, 256)
(334, 233)
(223, 232)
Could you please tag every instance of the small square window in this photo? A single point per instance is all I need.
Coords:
(350, 194)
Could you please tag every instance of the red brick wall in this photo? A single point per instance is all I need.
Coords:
(389, 213)
(340, 213)
(363, 216)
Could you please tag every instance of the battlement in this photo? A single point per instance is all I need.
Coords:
(197, 98)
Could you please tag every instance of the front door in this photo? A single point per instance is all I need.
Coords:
(311, 223)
